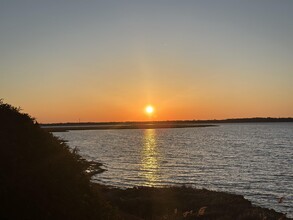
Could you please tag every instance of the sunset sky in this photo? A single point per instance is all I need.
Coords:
(71, 60)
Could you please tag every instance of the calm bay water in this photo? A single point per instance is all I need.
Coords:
(254, 160)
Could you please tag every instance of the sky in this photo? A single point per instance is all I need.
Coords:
(70, 61)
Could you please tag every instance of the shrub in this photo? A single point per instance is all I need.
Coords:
(40, 178)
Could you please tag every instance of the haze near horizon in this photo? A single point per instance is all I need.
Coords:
(108, 60)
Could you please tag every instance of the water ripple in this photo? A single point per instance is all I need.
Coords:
(254, 160)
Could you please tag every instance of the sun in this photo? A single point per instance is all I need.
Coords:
(149, 109)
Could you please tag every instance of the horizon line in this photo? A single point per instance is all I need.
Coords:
(251, 119)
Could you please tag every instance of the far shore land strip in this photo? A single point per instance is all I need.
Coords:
(64, 127)
(59, 128)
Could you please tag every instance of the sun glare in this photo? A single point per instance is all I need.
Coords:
(149, 109)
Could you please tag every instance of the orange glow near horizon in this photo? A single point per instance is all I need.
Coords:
(172, 109)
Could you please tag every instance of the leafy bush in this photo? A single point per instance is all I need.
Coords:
(40, 178)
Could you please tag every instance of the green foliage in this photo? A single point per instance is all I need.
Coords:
(40, 178)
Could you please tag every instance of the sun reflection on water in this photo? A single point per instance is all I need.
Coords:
(149, 161)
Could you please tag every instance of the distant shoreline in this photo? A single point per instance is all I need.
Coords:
(63, 127)
(229, 120)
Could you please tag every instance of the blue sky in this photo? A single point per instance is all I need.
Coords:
(106, 60)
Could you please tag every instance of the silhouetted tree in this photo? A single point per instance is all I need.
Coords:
(40, 178)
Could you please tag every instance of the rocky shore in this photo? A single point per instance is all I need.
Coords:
(176, 203)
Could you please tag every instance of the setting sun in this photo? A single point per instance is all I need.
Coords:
(149, 109)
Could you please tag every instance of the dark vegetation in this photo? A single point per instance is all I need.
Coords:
(41, 178)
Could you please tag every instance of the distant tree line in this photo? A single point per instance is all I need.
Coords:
(232, 120)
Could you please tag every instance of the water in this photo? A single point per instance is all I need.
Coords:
(254, 160)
